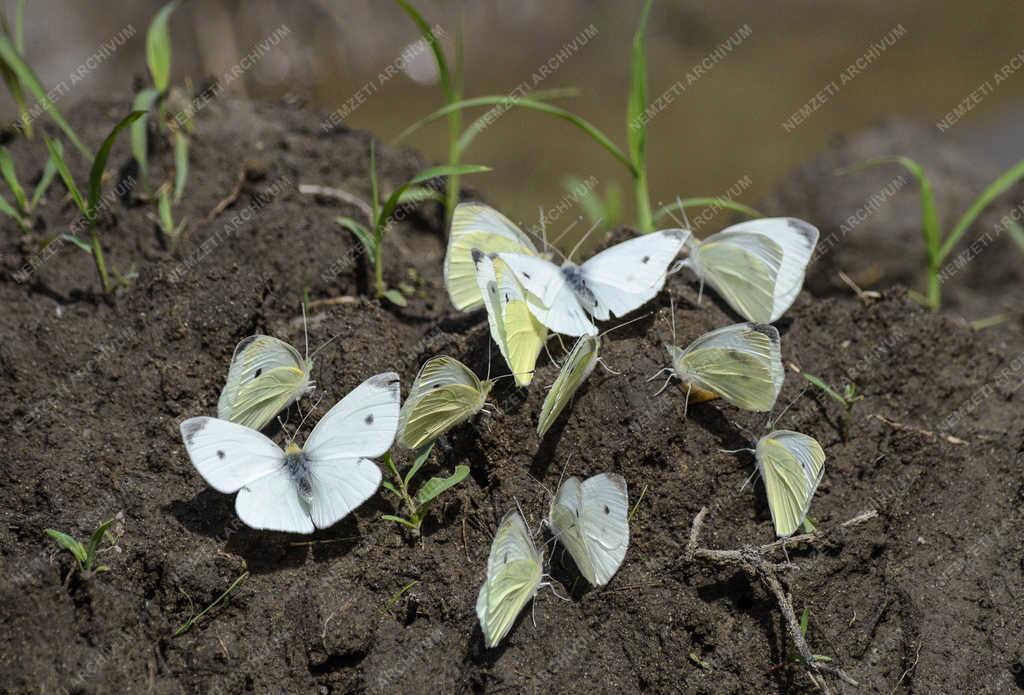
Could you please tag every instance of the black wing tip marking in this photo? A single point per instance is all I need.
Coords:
(191, 427)
(246, 342)
(388, 381)
(477, 255)
(766, 329)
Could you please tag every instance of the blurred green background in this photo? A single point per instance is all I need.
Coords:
(726, 126)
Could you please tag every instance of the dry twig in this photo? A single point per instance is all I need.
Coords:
(756, 562)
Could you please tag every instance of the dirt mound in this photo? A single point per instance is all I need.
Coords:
(924, 598)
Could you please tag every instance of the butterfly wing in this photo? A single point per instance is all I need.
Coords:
(575, 370)
(361, 425)
(266, 376)
(743, 267)
(628, 275)
(513, 575)
(514, 328)
(549, 296)
(742, 363)
(798, 240)
(445, 393)
(792, 465)
(565, 518)
(228, 455)
(477, 226)
(272, 503)
(605, 524)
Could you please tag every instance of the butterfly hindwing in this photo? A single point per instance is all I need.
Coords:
(791, 465)
(514, 569)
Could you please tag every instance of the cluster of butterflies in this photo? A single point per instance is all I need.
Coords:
(757, 267)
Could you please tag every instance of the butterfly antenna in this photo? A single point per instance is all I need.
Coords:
(561, 475)
(564, 232)
(621, 325)
(304, 417)
(667, 381)
(771, 423)
(284, 427)
(323, 345)
(608, 369)
(749, 477)
(686, 402)
(682, 209)
(542, 485)
(700, 292)
(543, 227)
(584, 237)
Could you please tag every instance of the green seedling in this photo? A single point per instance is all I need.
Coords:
(418, 504)
(846, 398)
(90, 205)
(383, 214)
(451, 87)
(196, 617)
(702, 663)
(20, 79)
(395, 597)
(85, 553)
(937, 245)
(165, 219)
(599, 209)
(635, 161)
(23, 207)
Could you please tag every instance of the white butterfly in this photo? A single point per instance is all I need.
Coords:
(612, 283)
(757, 266)
(591, 519)
(514, 571)
(300, 489)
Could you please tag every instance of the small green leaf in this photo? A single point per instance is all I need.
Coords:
(435, 46)
(180, 164)
(399, 520)
(388, 486)
(483, 122)
(820, 383)
(361, 233)
(79, 242)
(70, 544)
(8, 210)
(144, 101)
(1007, 179)
(395, 297)
(421, 458)
(12, 58)
(1016, 233)
(383, 217)
(10, 176)
(100, 163)
(49, 171)
(94, 543)
(57, 157)
(158, 47)
(435, 486)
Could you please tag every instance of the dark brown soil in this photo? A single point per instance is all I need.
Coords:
(923, 599)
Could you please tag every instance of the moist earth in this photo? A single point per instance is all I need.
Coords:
(923, 598)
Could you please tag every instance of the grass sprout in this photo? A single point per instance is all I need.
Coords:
(21, 210)
(196, 617)
(20, 79)
(451, 87)
(417, 505)
(85, 553)
(90, 205)
(382, 214)
(937, 244)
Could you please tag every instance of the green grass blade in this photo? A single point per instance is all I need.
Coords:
(399, 520)
(1008, 179)
(94, 543)
(388, 486)
(57, 157)
(929, 216)
(19, 26)
(10, 55)
(374, 187)
(158, 47)
(533, 105)
(144, 101)
(7, 209)
(705, 203)
(419, 194)
(364, 235)
(483, 122)
(821, 384)
(70, 544)
(1016, 233)
(100, 163)
(435, 486)
(180, 164)
(427, 174)
(187, 625)
(10, 176)
(435, 46)
(636, 129)
(79, 242)
(49, 171)
(421, 458)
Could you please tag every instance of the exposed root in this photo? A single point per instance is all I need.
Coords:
(908, 428)
(337, 194)
(755, 562)
(227, 200)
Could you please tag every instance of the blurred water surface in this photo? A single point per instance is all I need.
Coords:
(733, 76)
